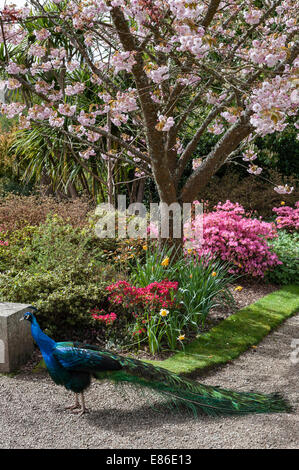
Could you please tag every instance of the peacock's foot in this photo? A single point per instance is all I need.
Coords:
(75, 405)
(81, 412)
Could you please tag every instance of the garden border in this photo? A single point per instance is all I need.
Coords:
(237, 333)
(232, 336)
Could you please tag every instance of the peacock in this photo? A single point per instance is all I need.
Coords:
(73, 365)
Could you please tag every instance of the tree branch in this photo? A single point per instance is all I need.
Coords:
(212, 9)
(191, 147)
(227, 144)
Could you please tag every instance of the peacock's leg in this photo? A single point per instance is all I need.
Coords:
(76, 404)
(83, 408)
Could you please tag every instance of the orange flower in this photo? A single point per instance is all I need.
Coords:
(165, 261)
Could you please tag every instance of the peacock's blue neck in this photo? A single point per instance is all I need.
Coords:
(44, 342)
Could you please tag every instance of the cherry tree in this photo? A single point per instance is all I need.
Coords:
(157, 70)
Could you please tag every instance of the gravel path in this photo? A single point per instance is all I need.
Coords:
(32, 409)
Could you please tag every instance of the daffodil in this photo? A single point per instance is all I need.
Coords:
(239, 288)
(164, 312)
(181, 337)
(189, 251)
(214, 274)
(165, 261)
(144, 247)
(282, 203)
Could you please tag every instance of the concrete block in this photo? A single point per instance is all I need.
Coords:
(16, 343)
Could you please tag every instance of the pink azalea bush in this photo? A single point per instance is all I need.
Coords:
(288, 218)
(235, 237)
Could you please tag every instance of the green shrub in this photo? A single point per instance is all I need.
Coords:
(52, 243)
(58, 269)
(286, 246)
(63, 297)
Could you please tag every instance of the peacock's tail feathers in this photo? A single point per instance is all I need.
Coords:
(194, 395)
(72, 364)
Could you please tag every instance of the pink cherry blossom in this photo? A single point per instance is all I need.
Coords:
(66, 109)
(12, 84)
(87, 153)
(55, 121)
(74, 89)
(284, 189)
(159, 74)
(42, 34)
(254, 170)
(253, 16)
(165, 123)
(123, 61)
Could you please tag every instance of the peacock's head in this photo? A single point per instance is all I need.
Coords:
(28, 316)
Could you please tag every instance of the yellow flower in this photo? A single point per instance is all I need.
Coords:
(144, 247)
(181, 337)
(165, 261)
(214, 273)
(240, 265)
(189, 250)
(282, 203)
(239, 288)
(164, 312)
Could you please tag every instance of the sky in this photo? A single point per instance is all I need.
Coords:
(19, 3)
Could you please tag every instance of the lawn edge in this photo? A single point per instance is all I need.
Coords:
(236, 334)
